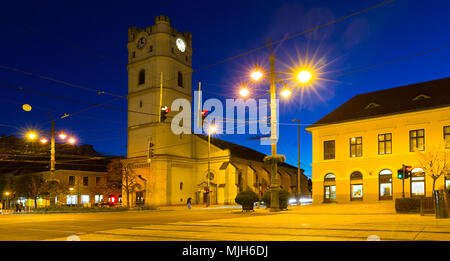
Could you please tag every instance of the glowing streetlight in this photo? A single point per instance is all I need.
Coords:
(62, 136)
(244, 92)
(44, 140)
(71, 189)
(286, 92)
(256, 75)
(304, 76)
(212, 129)
(26, 107)
(31, 135)
(72, 140)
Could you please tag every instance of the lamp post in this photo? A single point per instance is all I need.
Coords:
(299, 190)
(303, 76)
(212, 129)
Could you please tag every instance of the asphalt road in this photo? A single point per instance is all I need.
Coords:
(32, 227)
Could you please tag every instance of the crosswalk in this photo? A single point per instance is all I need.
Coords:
(220, 231)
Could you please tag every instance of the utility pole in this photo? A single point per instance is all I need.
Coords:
(299, 191)
(52, 151)
(274, 184)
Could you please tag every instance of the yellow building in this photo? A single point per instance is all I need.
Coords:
(178, 169)
(358, 147)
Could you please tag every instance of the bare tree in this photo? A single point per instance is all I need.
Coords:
(122, 177)
(435, 162)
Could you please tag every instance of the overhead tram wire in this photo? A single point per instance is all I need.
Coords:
(214, 64)
(294, 35)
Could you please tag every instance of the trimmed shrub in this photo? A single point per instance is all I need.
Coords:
(407, 205)
(284, 198)
(246, 199)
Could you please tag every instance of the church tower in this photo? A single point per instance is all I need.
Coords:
(155, 51)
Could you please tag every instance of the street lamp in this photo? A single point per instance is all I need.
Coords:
(212, 129)
(303, 76)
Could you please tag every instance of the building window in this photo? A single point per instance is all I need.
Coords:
(85, 181)
(417, 183)
(385, 178)
(329, 192)
(141, 77)
(71, 180)
(140, 198)
(98, 198)
(84, 199)
(72, 199)
(385, 143)
(150, 49)
(98, 181)
(416, 140)
(180, 79)
(447, 137)
(356, 147)
(134, 55)
(181, 185)
(356, 186)
(328, 149)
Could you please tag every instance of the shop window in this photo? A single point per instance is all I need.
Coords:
(84, 199)
(417, 183)
(329, 187)
(385, 179)
(71, 199)
(356, 186)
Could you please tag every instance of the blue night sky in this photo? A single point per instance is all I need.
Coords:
(83, 43)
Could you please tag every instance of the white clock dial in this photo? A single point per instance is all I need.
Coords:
(181, 45)
(141, 42)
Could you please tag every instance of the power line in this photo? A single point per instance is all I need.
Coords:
(294, 35)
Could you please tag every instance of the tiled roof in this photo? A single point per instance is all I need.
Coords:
(408, 98)
(241, 151)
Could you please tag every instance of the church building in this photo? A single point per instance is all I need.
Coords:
(171, 168)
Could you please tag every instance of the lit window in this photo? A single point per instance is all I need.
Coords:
(385, 179)
(416, 140)
(356, 147)
(385, 143)
(98, 198)
(71, 199)
(356, 186)
(417, 182)
(447, 137)
(84, 199)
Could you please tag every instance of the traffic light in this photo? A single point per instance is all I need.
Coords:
(407, 172)
(204, 112)
(164, 111)
(400, 173)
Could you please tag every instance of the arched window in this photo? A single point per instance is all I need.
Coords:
(329, 187)
(417, 182)
(356, 186)
(385, 180)
(141, 77)
(180, 79)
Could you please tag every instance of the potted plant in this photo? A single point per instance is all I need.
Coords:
(246, 199)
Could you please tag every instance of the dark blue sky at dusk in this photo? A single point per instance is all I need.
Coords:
(83, 43)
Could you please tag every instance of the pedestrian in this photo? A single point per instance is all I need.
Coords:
(17, 207)
(189, 200)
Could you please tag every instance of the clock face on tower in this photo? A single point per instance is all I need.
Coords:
(181, 45)
(141, 42)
